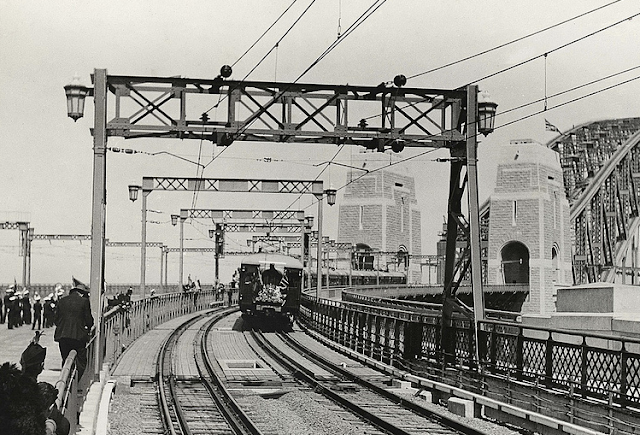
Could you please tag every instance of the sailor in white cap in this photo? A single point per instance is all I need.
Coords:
(37, 312)
(13, 312)
(26, 307)
(49, 310)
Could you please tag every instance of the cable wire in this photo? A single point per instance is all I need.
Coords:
(551, 51)
(265, 32)
(512, 41)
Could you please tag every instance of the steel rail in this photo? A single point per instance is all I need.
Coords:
(228, 406)
(307, 376)
(426, 413)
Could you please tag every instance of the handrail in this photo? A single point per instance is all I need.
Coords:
(120, 327)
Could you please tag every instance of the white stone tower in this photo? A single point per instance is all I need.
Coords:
(379, 210)
(529, 224)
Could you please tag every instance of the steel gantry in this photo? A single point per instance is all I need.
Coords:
(240, 221)
(150, 184)
(377, 117)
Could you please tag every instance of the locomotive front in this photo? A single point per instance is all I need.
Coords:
(270, 285)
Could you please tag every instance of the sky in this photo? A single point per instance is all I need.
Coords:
(46, 158)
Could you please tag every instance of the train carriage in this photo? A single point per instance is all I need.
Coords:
(270, 285)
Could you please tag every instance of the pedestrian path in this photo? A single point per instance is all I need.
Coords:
(14, 341)
(138, 363)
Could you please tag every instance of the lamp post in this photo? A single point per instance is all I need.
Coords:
(174, 222)
(480, 119)
(133, 196)
(306, 246)
(331, 200)
(217, 235)
(76, 94)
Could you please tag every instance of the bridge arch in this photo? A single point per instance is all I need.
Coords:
(514, 258)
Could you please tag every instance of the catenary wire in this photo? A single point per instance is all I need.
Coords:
(582, 38)
(265, 32)
(512, 41)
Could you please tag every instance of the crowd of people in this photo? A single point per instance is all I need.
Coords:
(27, 407)
(19, 307)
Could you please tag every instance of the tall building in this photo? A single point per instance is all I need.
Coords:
(379, 212)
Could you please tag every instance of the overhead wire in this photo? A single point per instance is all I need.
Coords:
(265, 32)
(499, 126)
(275, 46)
(582, 38)
(537, 32)
(363, 17)
(545, 54)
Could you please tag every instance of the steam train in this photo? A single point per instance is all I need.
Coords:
(270, 285)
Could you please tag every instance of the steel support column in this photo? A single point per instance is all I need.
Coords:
(474, 216)
(99, 206)
(319, 248)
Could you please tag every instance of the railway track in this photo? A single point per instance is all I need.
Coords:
(191, 398)
(368, 400)
(291, 390)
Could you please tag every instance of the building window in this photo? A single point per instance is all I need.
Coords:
(361, 217)
(555, 210)
(555, 264)
(514, 215)
(402, 215)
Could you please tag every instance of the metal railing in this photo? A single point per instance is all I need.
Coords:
(572, 368)
(120, 327)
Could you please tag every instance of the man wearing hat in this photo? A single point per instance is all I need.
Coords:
(73, 322)
(25, 303)
(9, 299)
(37, 312)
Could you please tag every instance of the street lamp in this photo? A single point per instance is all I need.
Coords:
(133, 196)
(133, 192)
(174, 219)
(76, 94)
(211, 233)
(486, 113)
(331, 200)
(331, 196)
(306, 245)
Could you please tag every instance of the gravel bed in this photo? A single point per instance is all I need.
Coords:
(485, 425)
(129, 413)
(294, 413)
(301, 413)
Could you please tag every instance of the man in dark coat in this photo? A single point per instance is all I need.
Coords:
(73, 324)
(7, 304)
(26, 307)
(37, 312)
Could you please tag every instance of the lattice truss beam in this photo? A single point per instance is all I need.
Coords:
(232, 185)
(237, 221)
(601, 170)
(226, 110)
(221, 215)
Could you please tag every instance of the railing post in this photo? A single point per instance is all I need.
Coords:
(412, 340)
(548, 358)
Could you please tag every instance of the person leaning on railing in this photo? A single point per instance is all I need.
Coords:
(74, 323)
